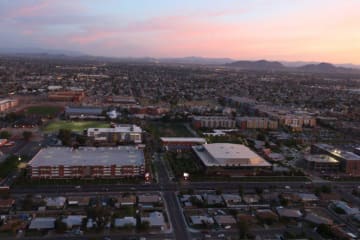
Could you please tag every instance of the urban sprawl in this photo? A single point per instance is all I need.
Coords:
(93, 149)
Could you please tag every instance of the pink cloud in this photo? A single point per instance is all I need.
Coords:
(46, 8)
(28, 32)
(329, 35)
(30, 10)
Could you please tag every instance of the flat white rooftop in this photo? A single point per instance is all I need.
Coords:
(229, 155)
(88, 156)
(2, 101)
(183, 139)
(338, 153)
(321, 158)
(117, 129)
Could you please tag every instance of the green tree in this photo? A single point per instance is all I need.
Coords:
(259, 190)
(261, 137)
(243, 227)
(27, 135)
(143, 225)
(325, 231)
(60, 226)
(190, 191)
(326, 189)
(241, 190)
(65, 136)
(100, 214)
(5, 134)
(28, 203)
(81, 139)
(284, 201)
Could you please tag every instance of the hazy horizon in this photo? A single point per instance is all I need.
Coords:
(277, 30)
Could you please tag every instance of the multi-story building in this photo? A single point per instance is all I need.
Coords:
(178, 143)
(349, 161)
(256, 123)
(213, 122)
(297, 121)
(243, 104)
(357, 151)
(230, 159)
(67, 96)
(121, 100)
(322, 163)
(7, 104)
(87, 162)
(84, 113)
(118, 134)
(150, 112)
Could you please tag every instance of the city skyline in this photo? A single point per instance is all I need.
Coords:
(323, 31)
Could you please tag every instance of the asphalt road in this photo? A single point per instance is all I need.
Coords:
(176, 216)
(169, 186)
(174, 210)
(114, 236)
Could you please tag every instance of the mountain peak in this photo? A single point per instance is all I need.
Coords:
(260, 65)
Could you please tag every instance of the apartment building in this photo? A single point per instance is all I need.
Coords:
(87, 162)
(213, 122)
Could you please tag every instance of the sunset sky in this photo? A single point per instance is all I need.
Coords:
(292, 30)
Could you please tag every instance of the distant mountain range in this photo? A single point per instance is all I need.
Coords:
(278, 66)
(39, 51)
(197, 60)
(262, 65)
(257, 65)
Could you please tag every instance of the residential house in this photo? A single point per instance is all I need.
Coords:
(288, 213)
(201, 220)
(55, 203)
(42, 223)
(73, 220)
(124, 222)
(225, 220)
(231, 200)
(156, 220)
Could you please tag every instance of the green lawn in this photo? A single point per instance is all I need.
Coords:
(43, 110)
(76, 126)
(165, 129)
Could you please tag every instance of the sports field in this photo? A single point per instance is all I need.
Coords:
(167, 129)
(42, 110)
(76, 126)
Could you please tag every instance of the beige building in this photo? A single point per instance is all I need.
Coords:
(256, 123)
(230, 159)
(213, 122)
(297, 121)
(118, 134)
(7, 104)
